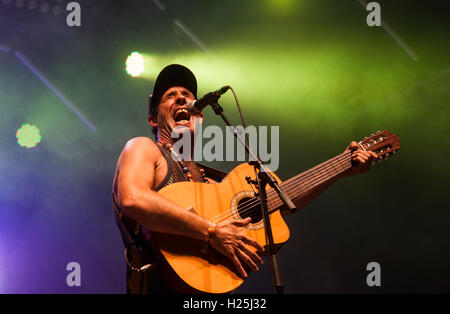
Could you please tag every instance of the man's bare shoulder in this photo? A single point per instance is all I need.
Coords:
(142, 146)
(140, 141)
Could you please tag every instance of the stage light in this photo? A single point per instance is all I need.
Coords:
(45, 7)
(135, 64)
(282, 7)
(28, 136)
(57, 10)
(32, 5)
(20, 3)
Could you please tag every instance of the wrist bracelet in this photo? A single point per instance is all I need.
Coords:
(209, 235)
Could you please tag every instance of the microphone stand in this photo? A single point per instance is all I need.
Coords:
(263, 178)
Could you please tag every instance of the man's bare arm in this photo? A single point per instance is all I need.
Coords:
(135, 196)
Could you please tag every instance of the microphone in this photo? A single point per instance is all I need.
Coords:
(196, 106)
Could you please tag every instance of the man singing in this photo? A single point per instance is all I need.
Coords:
(144, 167)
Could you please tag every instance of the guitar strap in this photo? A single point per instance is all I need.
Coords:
(130, 244)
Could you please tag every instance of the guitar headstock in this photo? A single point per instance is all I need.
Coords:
(384, 144)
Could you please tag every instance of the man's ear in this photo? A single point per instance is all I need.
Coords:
(153, 121)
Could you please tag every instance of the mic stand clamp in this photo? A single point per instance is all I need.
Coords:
(263, 178)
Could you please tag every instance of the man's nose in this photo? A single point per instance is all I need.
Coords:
(181, 100)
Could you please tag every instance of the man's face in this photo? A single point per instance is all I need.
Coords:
(172, 110)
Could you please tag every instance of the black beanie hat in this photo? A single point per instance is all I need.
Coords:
(172, 75)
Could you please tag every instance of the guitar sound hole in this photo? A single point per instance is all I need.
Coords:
(250, 207)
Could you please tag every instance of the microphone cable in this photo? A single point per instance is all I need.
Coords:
(240, 113)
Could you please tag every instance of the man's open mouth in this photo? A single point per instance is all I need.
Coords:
(181, 116)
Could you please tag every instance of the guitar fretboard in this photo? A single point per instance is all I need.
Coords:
(306, 181)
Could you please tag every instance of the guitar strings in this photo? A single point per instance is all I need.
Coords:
(333, 164)
(292, 181)
(341, 166)
(305, 175)
(299, 191)
(273, 203)
(252, 205)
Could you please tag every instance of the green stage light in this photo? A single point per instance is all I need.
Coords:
(135, 64)
(28, 136)
(282, 7)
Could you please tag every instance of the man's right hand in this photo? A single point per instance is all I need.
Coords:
(231, 242)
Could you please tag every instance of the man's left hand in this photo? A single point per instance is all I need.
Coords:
(361, 160)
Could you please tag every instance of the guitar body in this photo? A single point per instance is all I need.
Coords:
(214, 273)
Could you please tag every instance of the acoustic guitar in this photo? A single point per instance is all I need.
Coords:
(234, 197)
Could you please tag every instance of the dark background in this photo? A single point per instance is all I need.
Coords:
(314, 68)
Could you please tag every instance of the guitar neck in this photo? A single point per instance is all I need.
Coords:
(304, 182)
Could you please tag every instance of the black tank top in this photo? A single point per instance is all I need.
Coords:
(150, 281)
